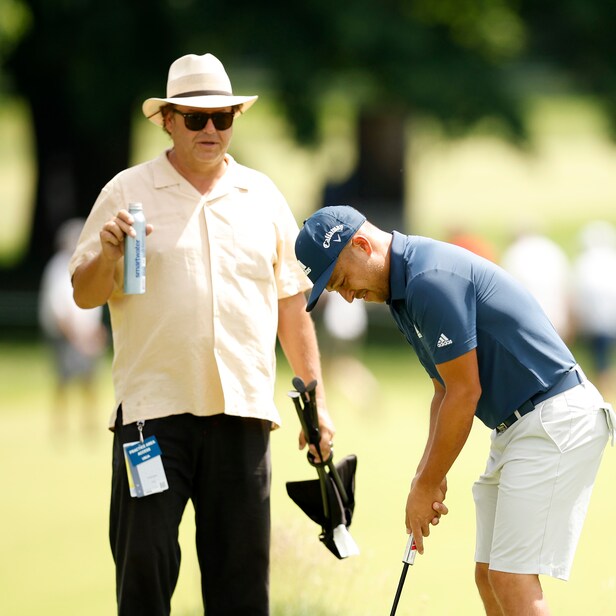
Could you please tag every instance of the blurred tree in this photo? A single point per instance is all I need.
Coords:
(394, 60)
(575, 38)
(15, 19)
(80, 65)
(84, 67)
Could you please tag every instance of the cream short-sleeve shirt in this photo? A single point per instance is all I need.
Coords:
(202, 338)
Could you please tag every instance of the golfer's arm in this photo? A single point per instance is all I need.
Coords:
(454, 419)
(93, 281)
(435, 406)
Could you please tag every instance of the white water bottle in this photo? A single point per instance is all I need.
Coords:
(134, 253)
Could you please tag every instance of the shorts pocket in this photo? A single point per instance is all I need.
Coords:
(556, 417)
(573, 419)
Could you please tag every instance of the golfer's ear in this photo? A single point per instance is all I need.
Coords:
(362, 242)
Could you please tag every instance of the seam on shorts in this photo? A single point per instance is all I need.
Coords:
(554, 487)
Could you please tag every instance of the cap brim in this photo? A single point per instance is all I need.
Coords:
(319, 286)
(151, 106)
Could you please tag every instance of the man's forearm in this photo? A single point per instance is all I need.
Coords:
(93, 282)
(452, 419)
(298, 340)
(450, 433)
(435, 407)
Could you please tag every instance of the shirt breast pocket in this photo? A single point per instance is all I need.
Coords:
(255, 250)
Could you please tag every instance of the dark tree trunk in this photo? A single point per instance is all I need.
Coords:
(71, 170)
(377, 186)
(75, 67)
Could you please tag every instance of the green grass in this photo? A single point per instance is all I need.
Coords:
(53, 538)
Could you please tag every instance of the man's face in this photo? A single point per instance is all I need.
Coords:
(207, 146)
(360, 273)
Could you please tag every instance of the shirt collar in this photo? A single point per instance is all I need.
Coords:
(165, 174)
(397, 271)
(236, 174)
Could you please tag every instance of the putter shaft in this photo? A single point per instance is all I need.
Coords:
(394, 607)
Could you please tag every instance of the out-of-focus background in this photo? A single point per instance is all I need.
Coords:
(488, 123)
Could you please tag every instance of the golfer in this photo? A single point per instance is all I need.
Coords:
(492, 353)
(194, 357)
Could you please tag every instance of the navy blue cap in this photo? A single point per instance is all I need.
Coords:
(320, 242)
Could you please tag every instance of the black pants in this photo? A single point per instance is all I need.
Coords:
(223, 465)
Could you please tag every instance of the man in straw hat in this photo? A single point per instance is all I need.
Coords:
(491, 352)
(194, 361)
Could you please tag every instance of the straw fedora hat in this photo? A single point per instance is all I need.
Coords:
(196, 81)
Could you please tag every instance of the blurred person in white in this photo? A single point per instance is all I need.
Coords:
(594, 298)
(76, 337)
(542, 266)
(345, 330)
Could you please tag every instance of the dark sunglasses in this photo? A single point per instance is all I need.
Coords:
(197, 120)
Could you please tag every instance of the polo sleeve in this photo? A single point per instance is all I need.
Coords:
(444, 308)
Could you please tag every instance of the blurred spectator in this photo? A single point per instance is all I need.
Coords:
(473, 242)
(594, 298)
(345, 327)
(76, 337)
(542, 266)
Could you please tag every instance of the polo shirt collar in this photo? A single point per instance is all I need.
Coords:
(397, 269)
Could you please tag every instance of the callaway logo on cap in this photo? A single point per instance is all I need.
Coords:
(321, 241)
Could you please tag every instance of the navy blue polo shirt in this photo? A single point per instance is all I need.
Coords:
(448, 301)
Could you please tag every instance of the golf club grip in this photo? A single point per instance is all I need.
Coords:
(313, 414)
(300, 413)
(410, 551)
(312, 433)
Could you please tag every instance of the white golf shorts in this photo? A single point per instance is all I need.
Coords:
(532, 499)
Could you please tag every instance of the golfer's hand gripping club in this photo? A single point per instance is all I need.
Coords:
(410, 551)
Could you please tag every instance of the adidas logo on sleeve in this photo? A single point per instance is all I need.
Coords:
(443, 341)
